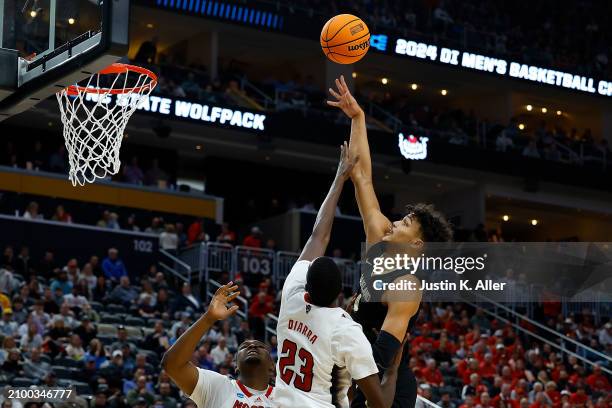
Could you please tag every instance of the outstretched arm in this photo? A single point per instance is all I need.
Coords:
(374, 222)
(321, 232)
(177, 360)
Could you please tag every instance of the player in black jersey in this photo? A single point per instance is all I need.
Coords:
(386, 323)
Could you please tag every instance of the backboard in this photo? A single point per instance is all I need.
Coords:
(47, 45)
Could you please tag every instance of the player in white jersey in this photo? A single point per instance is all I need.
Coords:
(320, 347)
(209, 389)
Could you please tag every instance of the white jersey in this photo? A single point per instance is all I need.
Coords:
(214, 390)
(319, 350)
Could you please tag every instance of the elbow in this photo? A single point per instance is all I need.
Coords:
(322, 237)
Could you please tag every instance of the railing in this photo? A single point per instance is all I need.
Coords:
(562, 348)
(261, 97)
(563, 339)
(170, 263)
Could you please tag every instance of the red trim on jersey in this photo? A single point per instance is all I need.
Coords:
(244, 389)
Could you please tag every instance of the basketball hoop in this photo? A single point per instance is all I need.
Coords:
(95, 115)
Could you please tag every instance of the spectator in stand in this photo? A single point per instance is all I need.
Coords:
(258, 310)
(598, 382)
(187, 300)
(88, 276)
(131, 224)
(31, 212)
(132, 172)
(113, 267)
(503, 142)
(61, 215)
(191, 87)
(196, 233)
(147, 52)
(168, 239)
(113, 221)
(254, 239)
(123, 293)
(58, 161)
(8, 327)
(220, 352)
(103, 222)
(531, 150)
(34, 366)
(156, 226)
(226, 236)
(155, 174)
(61, 283)
(182, 236)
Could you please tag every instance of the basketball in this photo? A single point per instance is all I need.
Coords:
(345, 39)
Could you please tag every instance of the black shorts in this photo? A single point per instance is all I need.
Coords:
(405, 389)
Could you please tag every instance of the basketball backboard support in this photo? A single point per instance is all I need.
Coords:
(47, 45)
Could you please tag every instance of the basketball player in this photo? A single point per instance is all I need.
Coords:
(320, 347)
(386, 323)
(209, 389)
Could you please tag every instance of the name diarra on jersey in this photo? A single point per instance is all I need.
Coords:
(303, 329)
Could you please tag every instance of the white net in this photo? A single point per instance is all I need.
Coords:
(94, 118)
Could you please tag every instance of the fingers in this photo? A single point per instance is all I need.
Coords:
(339, 85)
(233, 296)
(232, 310)
(344, 85)
(335, 94)
(342, 152)
(334, 104)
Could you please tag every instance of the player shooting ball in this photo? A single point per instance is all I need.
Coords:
(320, 347)
(209, 389)
(421, 224)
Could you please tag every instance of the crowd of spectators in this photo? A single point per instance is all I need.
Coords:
(463, 358)
(103, 327)
(569, 36)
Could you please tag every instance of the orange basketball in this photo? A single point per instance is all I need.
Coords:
(345, 39)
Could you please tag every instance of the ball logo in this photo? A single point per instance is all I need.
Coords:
(356, 28)
(362, 46)
(413, 148)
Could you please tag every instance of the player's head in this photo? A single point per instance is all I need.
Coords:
(422, 223)
(253, 358)
(323, 282)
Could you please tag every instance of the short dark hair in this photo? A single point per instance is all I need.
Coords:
(323, 281)
(434, 225)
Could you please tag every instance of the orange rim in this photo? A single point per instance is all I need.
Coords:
(117, 68)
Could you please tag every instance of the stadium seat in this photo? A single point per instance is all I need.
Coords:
(135, 321)
(65, 372)
(115, 309)
(81, 387)
(107, 340)
(23, 382)
(97, 306)
(66, 362)
(110, 319)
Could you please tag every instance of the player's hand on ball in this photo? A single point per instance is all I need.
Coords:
(218, 310)
(347, 162)
(344, 99)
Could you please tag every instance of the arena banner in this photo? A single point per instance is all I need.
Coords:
(525, 272)
(462, 59)
(200, 112)
(137, 250)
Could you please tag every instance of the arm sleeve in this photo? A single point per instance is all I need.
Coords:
(296, 280)
(208, 389)
(352, 350)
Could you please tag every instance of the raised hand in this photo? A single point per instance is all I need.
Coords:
(347, 162)
(344, 100)
(218, 310)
